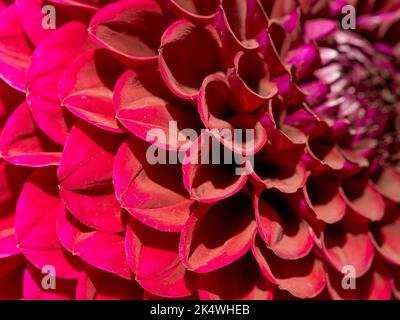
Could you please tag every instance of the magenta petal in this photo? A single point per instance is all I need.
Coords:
(153, 194)
(386, 236)
(388, 184)
(35, 224)
(22, 143)
(304, 278)
(132, 29)
(210, 182)
(89, 245)
(144, 104)
(200, 11)
(33, 290)
(188, 53)
(304, 60)
(43, 78)
(15, 51)
(153, 257)
(348, 244)
(85, 177)
(319, 29)
(86, 88)
(281, 227)
(241, 280)
(218, 234)
(95, 284)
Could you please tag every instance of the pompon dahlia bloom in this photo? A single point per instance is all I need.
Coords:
(79, 197)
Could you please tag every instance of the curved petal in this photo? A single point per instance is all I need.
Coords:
(388, 184)
(241, 280)
(188, 54)
(304, 60)
(86, 88)
(43, 78)
(217, 235)
(152, 192)
(85, 177)
(197, 11)
(131, 29)
(153, 257)
(144, 105)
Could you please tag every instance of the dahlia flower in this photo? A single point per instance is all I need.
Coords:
(318, 192)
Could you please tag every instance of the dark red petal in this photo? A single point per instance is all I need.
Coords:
(43, 78)
(144, 105)
(89, 245)
(303, 278)
(200, 11)
(216, 235)
(206, 174)
(281, 227)
(35, 224)
(85, 177)
(152, 193)
(153, 257)
(22, 143)
(346, 244)
(15, 51)
(11, 273)
(86, 88)
(131, 28)
(188, 54)
(95, 284)
(241, 280)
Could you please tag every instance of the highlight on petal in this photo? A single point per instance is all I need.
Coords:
(86, 88)
(346, 244)
(386, 236)
(200, 11)
(281, 226)
(23, 143)
(131, 29)
(15, 50)
(35, 224)
(210, 171)
(85, 177)
(303, 278)
(241, 280)
(95, 284)
(151, 192)
(153, 257)
(218, 234)
(304, 60)
(188, 54)
(145, 105)
(43, 78)
(388, 183)
(319, 29)
(89, 245)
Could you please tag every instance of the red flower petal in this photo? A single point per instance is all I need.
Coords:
(154, 194)
(144, 103)
(388, 183)
(304, 60)
(153, 257)
(200, 11)
(304, 278)
(42, 93)
(85, 176)
(22, 143)
(15, 51)
(35, 224)
(131, 28)
(11, 272)
(218, 234)
(188, 54)
(86, 88)
(241, 280)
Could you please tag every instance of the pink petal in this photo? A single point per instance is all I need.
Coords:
(304, 60)
(22, 143)
(85, 177)
(153, 194)
(131, 29)
(86, 88)
(218, 234)
(15, 51)
(153, 257)
(35, 224)
(144, 104)
(388, 184)
(241, 280)
(43, 78)
(304, 278)
(319, 29)
(188, 53)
